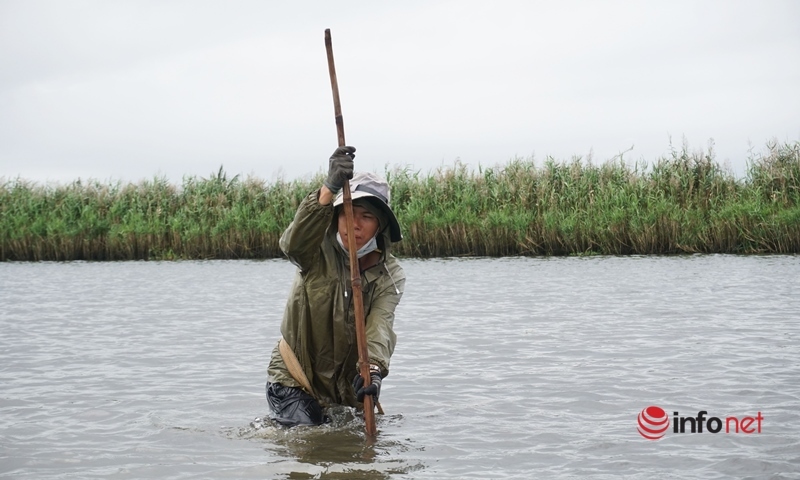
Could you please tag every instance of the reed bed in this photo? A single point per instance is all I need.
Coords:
(683, 203)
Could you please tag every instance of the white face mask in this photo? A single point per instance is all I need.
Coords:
(368, 247)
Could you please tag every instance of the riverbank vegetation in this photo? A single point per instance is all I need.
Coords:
(683, 203)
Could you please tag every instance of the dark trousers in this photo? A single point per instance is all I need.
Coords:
(292, 406)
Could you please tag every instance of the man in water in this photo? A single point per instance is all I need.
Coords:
(314, 364)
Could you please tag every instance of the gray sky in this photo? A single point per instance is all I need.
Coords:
(125, 90)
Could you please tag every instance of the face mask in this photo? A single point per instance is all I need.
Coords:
(368, 247)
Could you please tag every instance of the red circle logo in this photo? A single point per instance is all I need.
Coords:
(653, 422)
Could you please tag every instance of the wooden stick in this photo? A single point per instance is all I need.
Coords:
(355, 274)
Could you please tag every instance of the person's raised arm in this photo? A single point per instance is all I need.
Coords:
(302, 239)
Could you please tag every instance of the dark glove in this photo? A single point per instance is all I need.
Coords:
(374, 388)
(340, 168)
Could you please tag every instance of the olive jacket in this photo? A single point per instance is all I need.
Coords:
(319, 320)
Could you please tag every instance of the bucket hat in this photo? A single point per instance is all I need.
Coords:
(372, 187)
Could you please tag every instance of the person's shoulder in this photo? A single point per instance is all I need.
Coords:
(325, 261)
(394, 267)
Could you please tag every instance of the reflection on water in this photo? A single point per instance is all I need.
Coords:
(339, 449)
(504, 368)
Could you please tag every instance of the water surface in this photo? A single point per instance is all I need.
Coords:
(505, 368)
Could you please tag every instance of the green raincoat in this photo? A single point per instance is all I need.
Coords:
(315, 325)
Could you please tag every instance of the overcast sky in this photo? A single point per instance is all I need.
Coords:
(125, 90)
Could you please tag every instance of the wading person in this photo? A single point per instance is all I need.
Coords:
(314, 365)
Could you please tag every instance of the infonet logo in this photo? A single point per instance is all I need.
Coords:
(653, 423)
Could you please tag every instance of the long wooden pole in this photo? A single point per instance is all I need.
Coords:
(355, 274)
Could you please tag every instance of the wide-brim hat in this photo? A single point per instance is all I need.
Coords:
(373, 187)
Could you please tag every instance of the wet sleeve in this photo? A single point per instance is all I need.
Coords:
(381, 338)
(302, 239)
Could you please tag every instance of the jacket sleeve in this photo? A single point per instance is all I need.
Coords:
(302, 239)
(381, 338)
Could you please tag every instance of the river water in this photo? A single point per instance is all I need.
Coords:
(505, 368)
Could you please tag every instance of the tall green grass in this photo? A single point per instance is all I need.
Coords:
(683, 203)
(215, 217)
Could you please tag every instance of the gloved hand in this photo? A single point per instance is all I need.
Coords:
(340, 168)
(374, 388)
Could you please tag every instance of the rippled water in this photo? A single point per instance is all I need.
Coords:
(505, 368)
